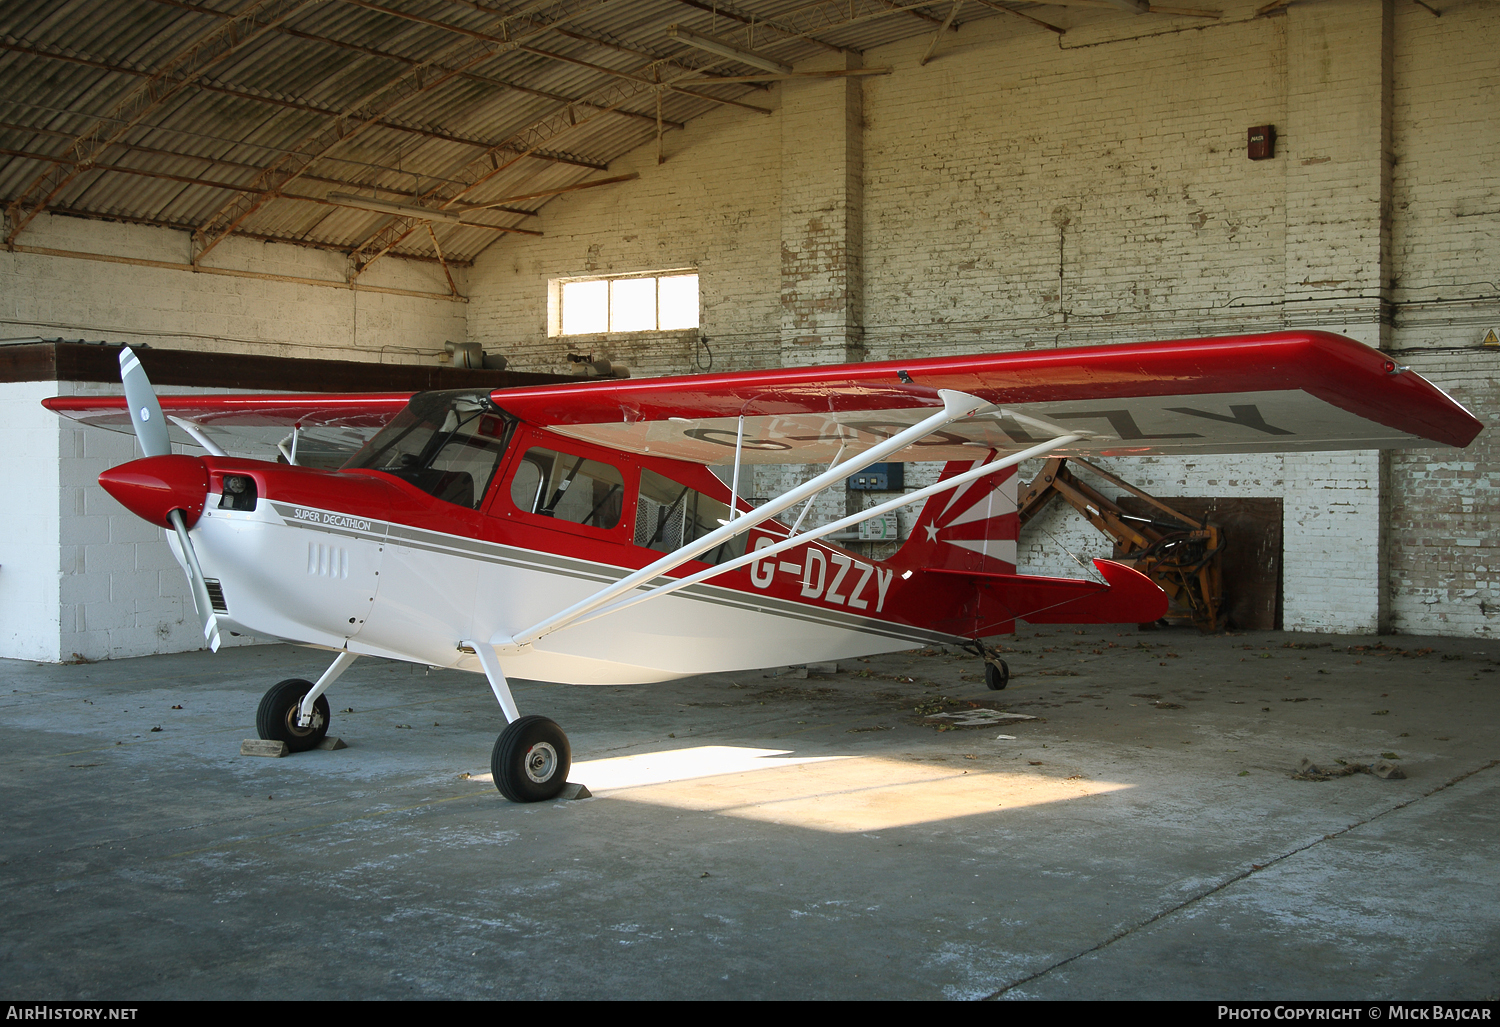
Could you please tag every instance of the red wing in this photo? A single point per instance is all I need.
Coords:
(330, 424)
(1290, 391)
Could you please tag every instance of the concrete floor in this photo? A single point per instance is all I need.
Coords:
(756, 837)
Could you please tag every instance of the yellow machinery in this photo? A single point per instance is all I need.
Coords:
(1175, 551)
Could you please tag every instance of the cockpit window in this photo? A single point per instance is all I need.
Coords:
(448, 444)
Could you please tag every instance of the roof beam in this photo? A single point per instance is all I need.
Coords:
(471, 76)
(550, 192)
(724, 11)
(1019, 14)
(938, 36)
(235, 187)
(187, 226)
(381, 102)
(301, 105)
(482, 169)
(174, 75)
(1145, 8)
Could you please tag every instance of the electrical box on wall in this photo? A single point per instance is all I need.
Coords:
(885, 528)
(1262, 142)
(879, 478)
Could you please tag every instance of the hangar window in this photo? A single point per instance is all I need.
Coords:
(650, 302)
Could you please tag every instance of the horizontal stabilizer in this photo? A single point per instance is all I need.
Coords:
(1129, 597)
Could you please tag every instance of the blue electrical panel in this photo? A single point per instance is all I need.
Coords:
(879, 478)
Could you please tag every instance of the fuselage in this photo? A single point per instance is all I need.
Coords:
(374, 562)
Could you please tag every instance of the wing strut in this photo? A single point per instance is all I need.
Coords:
(956, 405)
(792, 542)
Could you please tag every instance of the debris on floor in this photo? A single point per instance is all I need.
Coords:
(974, 718)
(1307, 770)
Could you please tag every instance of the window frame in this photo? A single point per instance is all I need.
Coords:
(555, 302)
(502, 505)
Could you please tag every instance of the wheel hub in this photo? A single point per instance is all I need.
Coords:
(541, 762)
(294, 712)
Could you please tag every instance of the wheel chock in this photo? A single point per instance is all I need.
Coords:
(263, 747)
(329, 744)
(573, 790)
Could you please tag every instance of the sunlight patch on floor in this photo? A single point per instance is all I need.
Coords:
(825, 793)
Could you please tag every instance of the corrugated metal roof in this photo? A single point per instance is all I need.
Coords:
(243, 115)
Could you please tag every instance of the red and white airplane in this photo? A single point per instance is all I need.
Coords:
(574, 533)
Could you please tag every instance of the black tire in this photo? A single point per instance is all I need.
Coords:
(996, 675)
(276, 718)
(531, 760)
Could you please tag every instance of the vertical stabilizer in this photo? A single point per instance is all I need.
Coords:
(974, 527)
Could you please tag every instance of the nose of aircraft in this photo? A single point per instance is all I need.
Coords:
(154, 487)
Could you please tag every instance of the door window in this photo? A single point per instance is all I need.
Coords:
(568, 487)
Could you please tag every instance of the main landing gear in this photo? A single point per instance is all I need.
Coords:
(532, 757)
(531, 760)
(996, 670)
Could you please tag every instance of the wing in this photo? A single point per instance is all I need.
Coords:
(1290, 391)
(330, 427)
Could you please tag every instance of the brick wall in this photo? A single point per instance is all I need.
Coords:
(54, 296)
(1028, 190)
(714, 205)
(80, 576)
(1021, 190)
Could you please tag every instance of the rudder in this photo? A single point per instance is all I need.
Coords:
(973, 527)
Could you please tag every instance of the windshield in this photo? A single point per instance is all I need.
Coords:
(448, 444)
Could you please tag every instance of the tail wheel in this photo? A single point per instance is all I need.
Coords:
(276, 718)
(996, 674)
(531, 760)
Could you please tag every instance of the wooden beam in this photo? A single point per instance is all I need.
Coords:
(550, 192)
(775, 77)
(720, 99)
(175, 74)
(1035, 21)
(721, 11)
(932, 47)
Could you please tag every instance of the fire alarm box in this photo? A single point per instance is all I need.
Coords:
(1262, 142)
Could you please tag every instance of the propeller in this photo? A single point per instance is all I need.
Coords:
(151, 432)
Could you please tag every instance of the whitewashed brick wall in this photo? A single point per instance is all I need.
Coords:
(1022, 190)
(80, 576)
(54, 297)
(30, 511)
(712, 205)
(1028, 190)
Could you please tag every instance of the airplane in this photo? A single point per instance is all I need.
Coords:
(577, 533)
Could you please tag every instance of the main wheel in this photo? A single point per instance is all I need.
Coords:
(276, 719)
(531, 760)
(996, 675)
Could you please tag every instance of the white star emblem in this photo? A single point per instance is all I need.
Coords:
(932, 532)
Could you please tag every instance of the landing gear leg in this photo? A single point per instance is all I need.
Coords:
(531, 758)
(996, 670)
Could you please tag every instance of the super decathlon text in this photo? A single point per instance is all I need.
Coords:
(334, 519)
(48, 1013)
